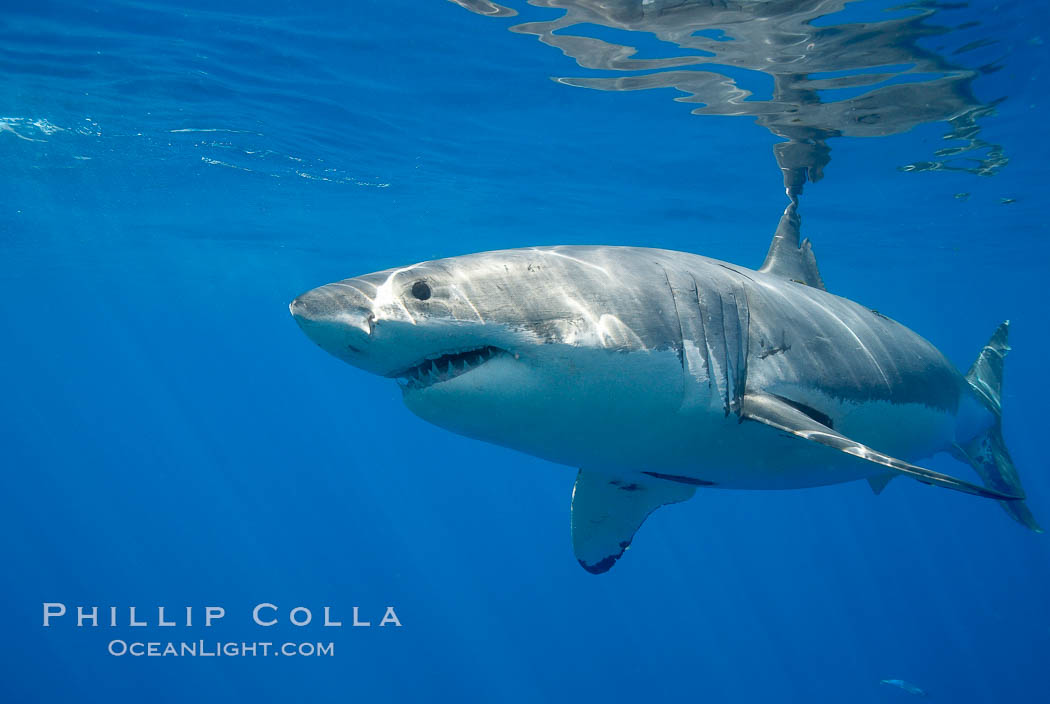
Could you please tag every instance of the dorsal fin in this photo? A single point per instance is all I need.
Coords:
(789, 258)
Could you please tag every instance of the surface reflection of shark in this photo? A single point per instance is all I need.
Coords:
(906, 686)
(658, 372)
(850, 78)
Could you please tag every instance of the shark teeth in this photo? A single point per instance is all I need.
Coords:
(447, 366)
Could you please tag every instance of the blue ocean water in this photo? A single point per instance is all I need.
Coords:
(176, 172)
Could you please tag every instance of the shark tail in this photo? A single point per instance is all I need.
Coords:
(987, 452)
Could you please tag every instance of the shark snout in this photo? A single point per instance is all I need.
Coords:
(364, 325)
(308, 306)
(337, 319)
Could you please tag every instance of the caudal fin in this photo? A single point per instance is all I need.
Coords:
(987, 453)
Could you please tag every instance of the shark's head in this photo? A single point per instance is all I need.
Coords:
(418, 324)
(488, 344)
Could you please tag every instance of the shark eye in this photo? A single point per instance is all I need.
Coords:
(421, 290)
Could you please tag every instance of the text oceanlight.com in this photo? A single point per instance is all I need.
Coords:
(219, 649)
(264, 615)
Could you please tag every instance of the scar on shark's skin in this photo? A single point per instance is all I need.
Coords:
(782, 347)
(680, 479)
(626, 487)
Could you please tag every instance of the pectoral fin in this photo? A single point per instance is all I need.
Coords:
(778, 413)
(607, 510)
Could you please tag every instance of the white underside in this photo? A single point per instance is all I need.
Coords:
(630, 412)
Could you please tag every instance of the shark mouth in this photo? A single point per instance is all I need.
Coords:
(447, 366)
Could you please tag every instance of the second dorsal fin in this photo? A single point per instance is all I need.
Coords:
(790, 258)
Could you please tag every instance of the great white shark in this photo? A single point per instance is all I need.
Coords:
(658, 372)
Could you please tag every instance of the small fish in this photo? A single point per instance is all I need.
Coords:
(906, 686)
(962, 196)
(1007, 201)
